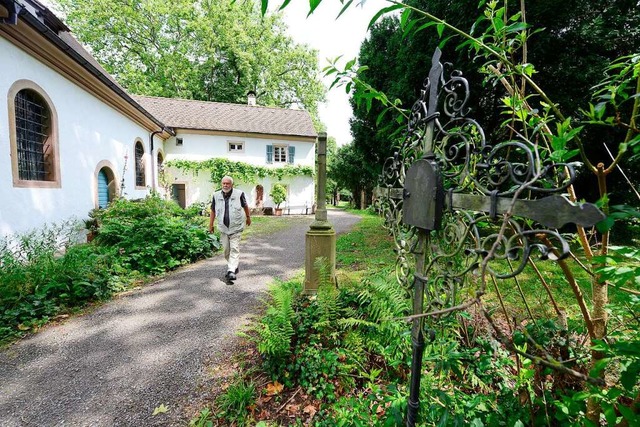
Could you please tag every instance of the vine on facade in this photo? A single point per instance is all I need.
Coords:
(218, 168)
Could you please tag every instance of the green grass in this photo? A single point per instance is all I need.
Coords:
(537, 297)
(266, 225)
(367, 246)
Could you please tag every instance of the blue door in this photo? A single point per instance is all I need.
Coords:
(103, 189)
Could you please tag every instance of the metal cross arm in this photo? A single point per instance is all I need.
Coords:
(552, 211)
(425, 201)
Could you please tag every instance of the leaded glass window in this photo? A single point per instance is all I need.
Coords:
(140, 178)
(33, 131)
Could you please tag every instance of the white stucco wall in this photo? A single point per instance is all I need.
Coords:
(199, 147)
(90, 132)
(203, 147)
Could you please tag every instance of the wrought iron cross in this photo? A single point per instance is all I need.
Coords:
(445, 182)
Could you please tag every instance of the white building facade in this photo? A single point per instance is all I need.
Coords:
(270, 138)
(62, 130)
(73, 140)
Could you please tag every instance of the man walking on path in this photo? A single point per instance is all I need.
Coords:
(228, 206)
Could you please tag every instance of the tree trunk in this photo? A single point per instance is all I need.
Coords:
(599, 290)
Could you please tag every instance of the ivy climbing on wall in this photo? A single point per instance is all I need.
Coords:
(240, 171)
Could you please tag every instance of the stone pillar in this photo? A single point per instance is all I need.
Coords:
(321, 237)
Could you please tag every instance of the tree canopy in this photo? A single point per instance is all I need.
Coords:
(210, 50)
(570, 54)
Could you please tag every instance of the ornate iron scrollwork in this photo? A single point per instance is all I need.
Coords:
(445, 165)
(459, 207)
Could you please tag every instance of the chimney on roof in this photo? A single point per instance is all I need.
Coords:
(251, 98)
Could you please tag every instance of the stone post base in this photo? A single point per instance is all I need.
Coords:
(320, 243)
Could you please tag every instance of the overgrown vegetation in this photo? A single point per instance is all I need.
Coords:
(45, 273)
(326, 352)
(154, 235)
(601, 136)
(498, 362)
(342, 358)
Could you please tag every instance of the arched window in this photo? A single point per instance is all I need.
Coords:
(33, 137)
(160, 162)
(140, 175)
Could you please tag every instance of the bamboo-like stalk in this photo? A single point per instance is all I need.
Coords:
(524, 298)
(504, 310)
(574, 286)
(547, 288)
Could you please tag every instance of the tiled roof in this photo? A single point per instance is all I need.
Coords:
(218, 116)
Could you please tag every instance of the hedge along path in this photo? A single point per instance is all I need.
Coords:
(117, 364)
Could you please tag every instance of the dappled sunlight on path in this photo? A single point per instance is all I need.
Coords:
(115, 365)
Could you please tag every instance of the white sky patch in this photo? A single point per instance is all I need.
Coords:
(332, 38)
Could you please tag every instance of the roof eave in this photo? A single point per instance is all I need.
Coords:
(178, 129)
(12, 31)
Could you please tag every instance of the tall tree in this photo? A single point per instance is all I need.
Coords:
(570, 55)
(213, 50)
(351, 170)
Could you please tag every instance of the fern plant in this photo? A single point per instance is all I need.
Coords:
(327, 298)
(385, 302)
(276, 329)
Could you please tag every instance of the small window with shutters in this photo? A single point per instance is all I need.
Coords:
(280, 154)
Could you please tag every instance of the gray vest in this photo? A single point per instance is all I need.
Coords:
(236, 212)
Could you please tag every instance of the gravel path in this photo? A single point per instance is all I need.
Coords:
(114, 366)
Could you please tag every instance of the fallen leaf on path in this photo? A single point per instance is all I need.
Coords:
(160, 410)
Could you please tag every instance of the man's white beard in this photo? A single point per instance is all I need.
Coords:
(226, 191)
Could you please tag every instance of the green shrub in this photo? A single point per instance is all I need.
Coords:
(42, 274)
(153, 235)
(40, 279)
(327, 343)
(278, 194)
(197, 209)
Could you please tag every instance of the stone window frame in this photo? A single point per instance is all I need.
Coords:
(53, 140)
